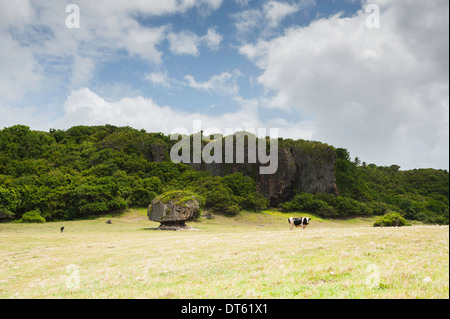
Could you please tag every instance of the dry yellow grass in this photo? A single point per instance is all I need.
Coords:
(249, 256)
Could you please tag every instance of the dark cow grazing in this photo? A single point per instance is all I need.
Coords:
(62, 229)
(109, 222)
(298, 222)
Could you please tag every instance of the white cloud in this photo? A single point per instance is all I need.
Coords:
(14, 12)
(30, 116)
(381, 93)
(32, 34)
(266, 18)
(248, 20)
(142, 41)
(276, 11)
(18, 73)
(212, 39)
(158, 79)
(184, 42)
(150, 8)
(255, 52)
(82, 71)
(84, 107)
(224, 84)
(187, 42)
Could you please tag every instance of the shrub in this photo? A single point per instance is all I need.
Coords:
(307, 202)
(239, 184)
(33, 216)
(327, 212)
(348, 207)
(300, 202)
(231, 210)
(380, 208)
(392, 219)
(6, 214)
(252, 202)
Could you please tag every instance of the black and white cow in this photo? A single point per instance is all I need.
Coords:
(298, 222)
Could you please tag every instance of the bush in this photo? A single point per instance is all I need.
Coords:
(392, 219)
(33, 216)
(348, 207)
(327, 205)
(300, 202)
(309, 203)
(380, 208)
(252, 202)
(6, 214)
(231, 210)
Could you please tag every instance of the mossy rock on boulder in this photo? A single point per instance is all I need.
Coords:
(172, 209)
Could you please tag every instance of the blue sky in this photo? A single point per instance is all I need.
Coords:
(313, 69)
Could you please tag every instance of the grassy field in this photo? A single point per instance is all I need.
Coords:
(247, 256)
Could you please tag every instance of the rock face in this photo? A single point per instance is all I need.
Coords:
(303, 166)
(299, 171)
(173, 209)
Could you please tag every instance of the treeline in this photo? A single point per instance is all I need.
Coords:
(95, 170)
(90, 171)
(370, 190)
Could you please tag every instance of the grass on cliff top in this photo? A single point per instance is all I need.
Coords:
(245, 256)
(179, 196)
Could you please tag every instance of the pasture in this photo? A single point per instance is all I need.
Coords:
(247, 256)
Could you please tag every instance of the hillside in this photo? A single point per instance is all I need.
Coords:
(90, 171)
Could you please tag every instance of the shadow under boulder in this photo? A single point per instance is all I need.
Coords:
(173, 209)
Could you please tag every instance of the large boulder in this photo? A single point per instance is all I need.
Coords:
(172, 209)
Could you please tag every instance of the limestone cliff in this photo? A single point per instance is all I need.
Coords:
(299, 171)
(303, 166)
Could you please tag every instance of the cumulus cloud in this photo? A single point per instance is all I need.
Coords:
(31, 116)
(276, 11)
(382, 93)
(159, 79)
(246, 21)
(184, 42)
(82, 71)
(142, 41)
(187, 42)
(33, 34)
(212, 39)
(17, 67)
(267, 17)
(14, 12)
(151, 8)
(84, 107)
(223, 84)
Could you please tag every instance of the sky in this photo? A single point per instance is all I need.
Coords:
(371, 76)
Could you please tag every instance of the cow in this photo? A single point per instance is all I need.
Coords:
(298, 222)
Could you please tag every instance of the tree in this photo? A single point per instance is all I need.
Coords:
(8, 202)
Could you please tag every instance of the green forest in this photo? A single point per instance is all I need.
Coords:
(89, 171)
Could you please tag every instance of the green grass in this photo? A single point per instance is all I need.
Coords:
(246, 256)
